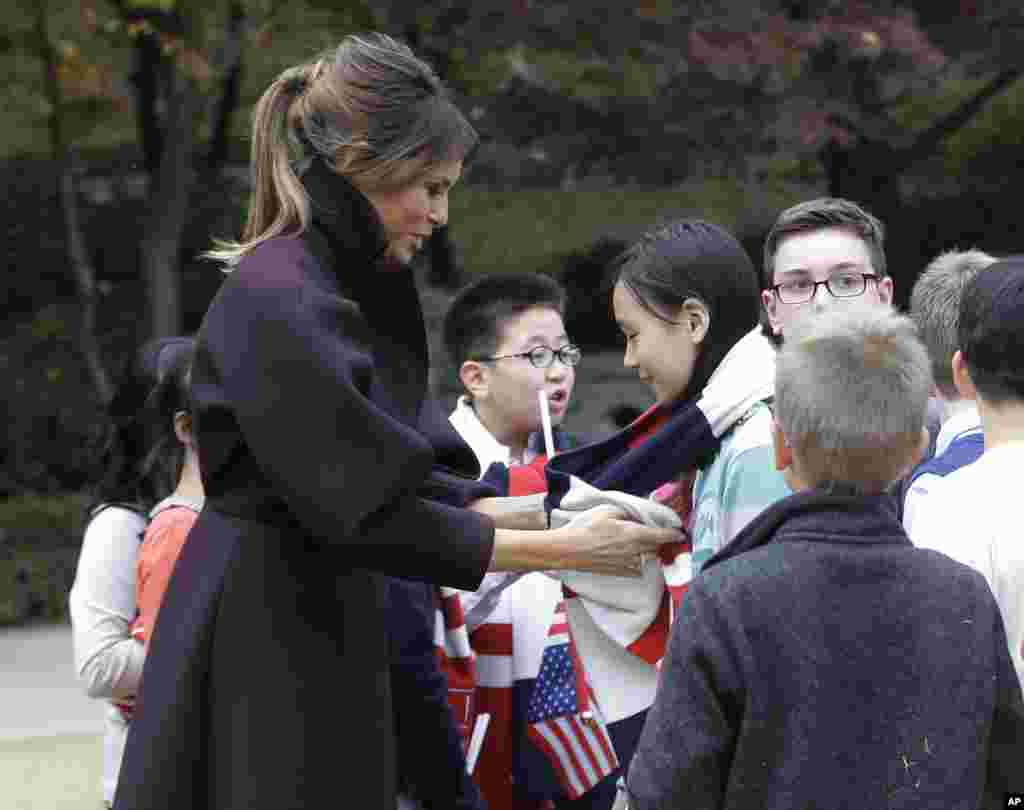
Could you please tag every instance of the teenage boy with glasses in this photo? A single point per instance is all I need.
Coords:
(818, 254)
(823, 254)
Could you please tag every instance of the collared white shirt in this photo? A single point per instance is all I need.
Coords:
(480, 605)
(962, 421)
(974, 515)
(487, 448)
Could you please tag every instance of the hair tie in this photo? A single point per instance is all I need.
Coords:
(296, 86)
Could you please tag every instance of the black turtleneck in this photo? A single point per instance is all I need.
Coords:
(344, 215)
(348, 241)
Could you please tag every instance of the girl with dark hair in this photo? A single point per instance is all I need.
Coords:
(139, 462)
(686, 300)
(325, 469)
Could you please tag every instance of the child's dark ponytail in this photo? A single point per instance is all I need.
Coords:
(140, 458)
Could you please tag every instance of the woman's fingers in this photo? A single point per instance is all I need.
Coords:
(651, 539)
(618, 546)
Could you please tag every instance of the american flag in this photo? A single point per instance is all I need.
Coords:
(496, 668)
(563, 721)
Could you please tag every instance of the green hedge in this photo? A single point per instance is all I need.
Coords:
(38, 553)
(36, 516)
(34, 584)
(525, 230)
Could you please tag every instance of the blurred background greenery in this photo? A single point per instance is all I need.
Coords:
(124, 148)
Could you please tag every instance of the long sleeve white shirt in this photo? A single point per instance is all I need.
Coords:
(102, 604)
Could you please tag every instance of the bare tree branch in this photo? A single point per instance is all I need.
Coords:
(929, 140)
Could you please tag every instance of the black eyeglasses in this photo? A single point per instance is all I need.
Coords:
(544, 356)
(840, 285)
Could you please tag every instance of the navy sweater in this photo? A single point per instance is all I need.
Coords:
(820, 660)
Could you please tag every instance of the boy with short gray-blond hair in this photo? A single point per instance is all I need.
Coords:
(820, 660)
(935, 307)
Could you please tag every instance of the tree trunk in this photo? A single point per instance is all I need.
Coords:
(78, 255)
(146, 79)
(230, 94)
(866, 172)
(85, 276)
(168, 207)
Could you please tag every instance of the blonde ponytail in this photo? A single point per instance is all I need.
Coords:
(277, 201)
(371, 109)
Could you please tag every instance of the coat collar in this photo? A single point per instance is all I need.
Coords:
(344, 216)
(815, 515)
(347, 239)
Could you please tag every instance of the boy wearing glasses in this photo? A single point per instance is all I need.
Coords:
(506, 338)
(820, 659)
(820, 254)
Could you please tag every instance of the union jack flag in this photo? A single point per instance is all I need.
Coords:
(563, 721)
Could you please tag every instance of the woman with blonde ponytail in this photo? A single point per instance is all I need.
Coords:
(326, 472)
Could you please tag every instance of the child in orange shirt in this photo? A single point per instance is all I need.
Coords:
(173, 517)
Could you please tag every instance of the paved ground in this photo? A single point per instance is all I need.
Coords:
(50, 732)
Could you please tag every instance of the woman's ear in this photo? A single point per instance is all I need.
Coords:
(473, 375)
(696, 318)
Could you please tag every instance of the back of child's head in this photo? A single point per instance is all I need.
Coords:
(851, 392)
(935, 308)
(991, 331)
(140, 459)
(474, 320)
(687, 260)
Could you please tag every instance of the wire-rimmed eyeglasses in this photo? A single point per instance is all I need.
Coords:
(839, 285)
(544, 356)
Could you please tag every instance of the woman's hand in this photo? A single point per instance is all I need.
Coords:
(603, 543)
(609, 544)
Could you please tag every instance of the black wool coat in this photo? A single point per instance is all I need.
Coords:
(267, 683)
(821, 661)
